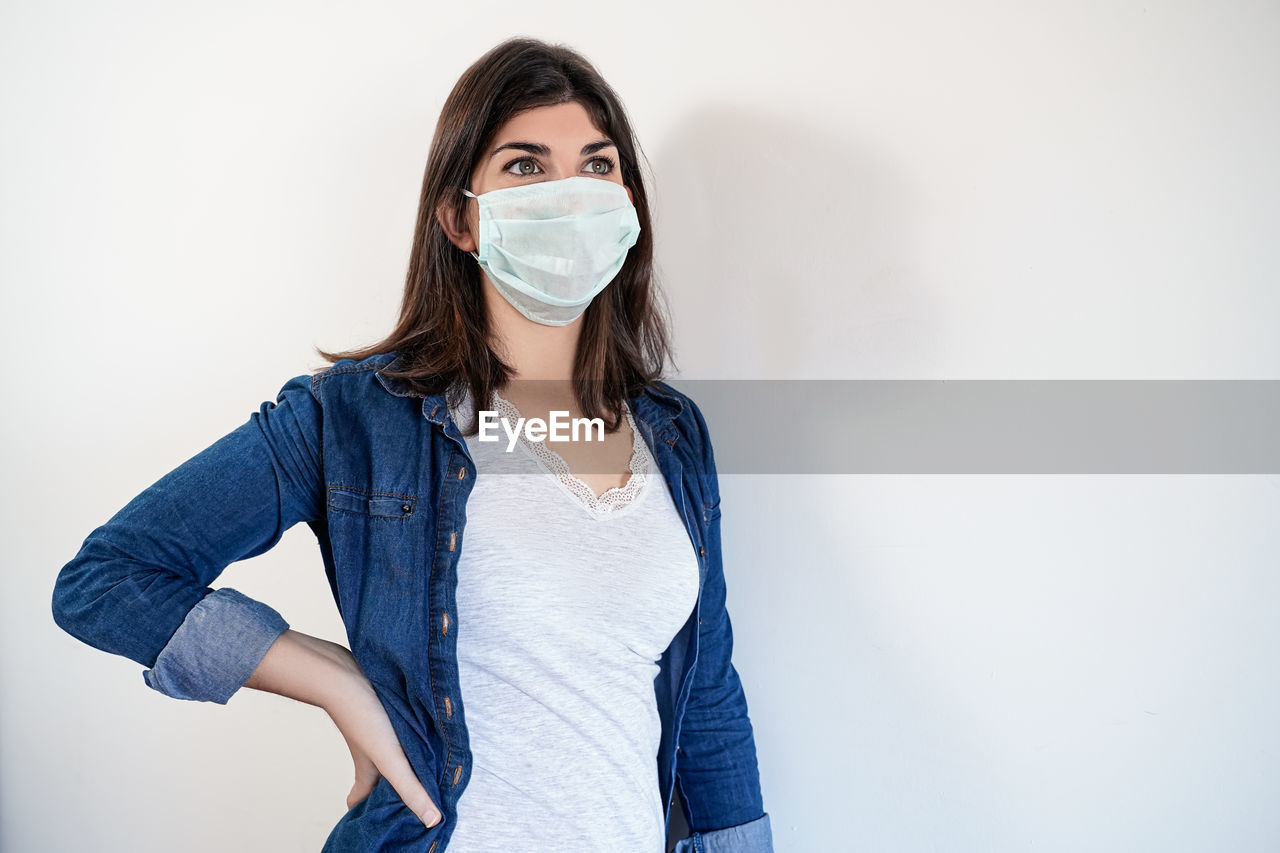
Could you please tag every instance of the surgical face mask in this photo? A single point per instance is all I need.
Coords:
(551, 246)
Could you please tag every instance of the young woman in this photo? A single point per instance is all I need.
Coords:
(568, 594)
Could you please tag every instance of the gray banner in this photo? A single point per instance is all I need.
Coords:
(991, 426)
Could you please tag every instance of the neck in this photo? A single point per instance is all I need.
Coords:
(533, 350)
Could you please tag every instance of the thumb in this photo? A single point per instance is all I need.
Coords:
(411, 791)
(424, 808)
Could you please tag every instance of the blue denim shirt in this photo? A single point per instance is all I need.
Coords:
(382, 477)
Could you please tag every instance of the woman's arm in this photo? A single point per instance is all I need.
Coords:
(139, 586)
(326, 675)
(716, 767)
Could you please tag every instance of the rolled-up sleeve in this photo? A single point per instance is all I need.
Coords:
(139, 585)
(754, 836)
(242, 628)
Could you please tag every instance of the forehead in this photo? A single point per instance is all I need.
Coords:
(568, 122)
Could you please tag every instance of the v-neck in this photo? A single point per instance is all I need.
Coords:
(609, 502)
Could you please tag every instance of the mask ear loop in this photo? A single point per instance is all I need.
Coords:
(467, 192)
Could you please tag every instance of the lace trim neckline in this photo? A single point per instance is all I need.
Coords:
(612, 499)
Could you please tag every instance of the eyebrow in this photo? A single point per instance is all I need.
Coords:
(544, 151)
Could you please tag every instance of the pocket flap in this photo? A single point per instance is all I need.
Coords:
(372, 502)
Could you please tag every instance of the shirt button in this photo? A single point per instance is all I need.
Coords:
(405, 507)
(702, 552)
(699, 620)
(462, 472)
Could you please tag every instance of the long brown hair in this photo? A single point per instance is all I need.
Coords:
(442, 336)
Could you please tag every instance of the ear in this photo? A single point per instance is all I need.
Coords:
(455, 226)
(630, 198)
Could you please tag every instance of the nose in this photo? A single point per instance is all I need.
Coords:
(559, 170)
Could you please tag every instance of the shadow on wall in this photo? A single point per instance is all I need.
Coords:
(782, 252)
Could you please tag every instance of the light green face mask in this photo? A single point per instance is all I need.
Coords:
(551, 246)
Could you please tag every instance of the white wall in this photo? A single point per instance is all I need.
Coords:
(195, 195)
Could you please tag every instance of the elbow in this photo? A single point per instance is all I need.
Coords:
(117, 607)
(61, 612)
(73, 600)
(66, 608)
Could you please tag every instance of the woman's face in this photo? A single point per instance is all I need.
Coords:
(544, 144)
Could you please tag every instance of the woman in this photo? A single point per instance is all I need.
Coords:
(564, 603)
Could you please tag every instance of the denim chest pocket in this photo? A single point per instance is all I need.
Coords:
(372, 502)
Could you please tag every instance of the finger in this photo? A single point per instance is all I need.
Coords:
(399, 773)
(369, 733)
(366, 776)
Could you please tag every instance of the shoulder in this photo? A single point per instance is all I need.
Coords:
(350, 370)
(688, 420)
(687, 412)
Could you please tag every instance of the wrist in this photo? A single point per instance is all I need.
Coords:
(349, 696)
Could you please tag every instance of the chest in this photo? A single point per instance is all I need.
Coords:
(537, 568)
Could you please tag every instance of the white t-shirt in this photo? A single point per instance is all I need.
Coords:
(565, 603)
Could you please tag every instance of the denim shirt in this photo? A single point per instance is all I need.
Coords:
(382, 480)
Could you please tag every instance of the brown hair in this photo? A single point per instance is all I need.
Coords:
(442, 335)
